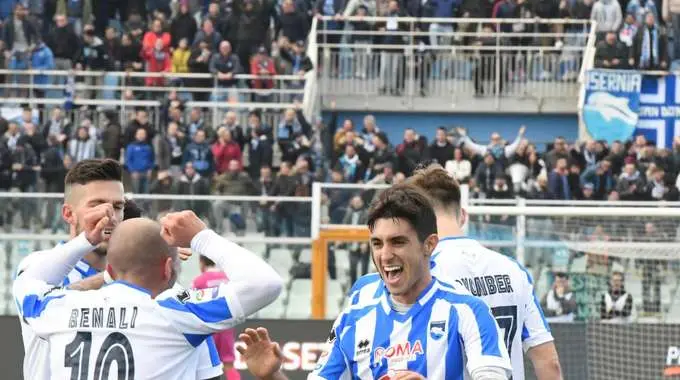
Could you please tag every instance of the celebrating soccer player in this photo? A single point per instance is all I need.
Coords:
(504, 284)
(89, 185)
(137, 322)
(418, 327)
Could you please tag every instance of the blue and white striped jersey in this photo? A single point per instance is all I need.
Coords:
(440, 336)
(36, 349)
(504, 285)
(87, 331)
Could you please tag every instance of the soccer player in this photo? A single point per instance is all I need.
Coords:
(88, 184)
(504, 284)
(418, 327)
(149, 331)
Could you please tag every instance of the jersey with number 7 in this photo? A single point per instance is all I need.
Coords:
(504, 285)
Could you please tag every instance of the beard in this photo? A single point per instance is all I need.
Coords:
(101, 249)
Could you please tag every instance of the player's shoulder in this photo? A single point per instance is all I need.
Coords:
(365, 289)
(370, 278)
(33, 257)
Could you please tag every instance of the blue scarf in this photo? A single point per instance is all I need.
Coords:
(650, 36)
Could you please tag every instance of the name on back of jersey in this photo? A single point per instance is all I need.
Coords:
(103, 318)
(487, 285)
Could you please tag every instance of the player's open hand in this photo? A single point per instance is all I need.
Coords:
(178, 228)
(262, 356)
(96, 223)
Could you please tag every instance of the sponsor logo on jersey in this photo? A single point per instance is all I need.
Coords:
(199, 295)
(399, 352)
(672, 367)
(363, 348)
(437, 329)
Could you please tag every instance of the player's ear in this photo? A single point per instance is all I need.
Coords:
(168, 269)
(431, 243)
(462, 218)
(68, 214)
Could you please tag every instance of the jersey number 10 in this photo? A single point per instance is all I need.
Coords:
(115, 348)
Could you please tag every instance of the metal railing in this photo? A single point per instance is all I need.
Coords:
(449, 59)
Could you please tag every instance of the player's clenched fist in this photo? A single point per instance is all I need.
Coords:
(178, 228)
(97, 223)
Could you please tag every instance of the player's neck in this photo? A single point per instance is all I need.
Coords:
(410, 297)
(447, 225)
(145, 283)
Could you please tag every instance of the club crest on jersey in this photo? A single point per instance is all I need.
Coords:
(437, 329)
(400, 352)
(363, 348)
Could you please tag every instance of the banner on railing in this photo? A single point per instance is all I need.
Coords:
(621, 104)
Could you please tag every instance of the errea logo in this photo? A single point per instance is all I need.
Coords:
(399, 352)
(363, 347)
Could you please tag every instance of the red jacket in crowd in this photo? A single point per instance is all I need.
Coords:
(258, 65)
(223, 153)
(157, 61)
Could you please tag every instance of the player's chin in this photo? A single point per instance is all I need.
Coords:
(102, 248)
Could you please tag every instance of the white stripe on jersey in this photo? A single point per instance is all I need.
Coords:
(500, 281)
(433, 338)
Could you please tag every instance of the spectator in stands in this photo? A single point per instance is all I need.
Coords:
(155, 34)
(164, 184)
(392, 60)
(158, 60)
(25, 164)
(574, 180)
(587, 192)
(83, 147)
(350, 165)
(628, 31)
(112, 46)
(33, 138)
(64, 43)
(135, 26)
(559, 304)
(198, 121)
(485, 175)
(12, 135)
(538, 189)
(180, 58)
(671, 13)
(220, 21)
(559, 150)
(183, 25)
(255, 124)
(558, 182)
(601, 177)
(410, 152)
(640, 8)
(19, 34)
(608, 15)
(130, 59)
(650, 49)
(168, 148)
(459, 167)
(497, 147)
(234, 181)
(208, 34)
(263, 67)
(250, 32)
(93, 55)
(611, 53)
(292, 23)
(141, 121)
(192, 183)
(198, 153)
(631, 183)
(359, 256)
(285, 185)
(139, 161)
(111, 136)
(225, 150)
(298, 64)
(264, 218)
(199, 63)
(53, 173)
(617, 303)
(440, 150)
(382, 156)
(656, 188)
(260, 150)
(232, 125)
(225, 65)
(652, 271)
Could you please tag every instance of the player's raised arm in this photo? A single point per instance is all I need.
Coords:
(39, 274)
(253, 284)
(487, 357)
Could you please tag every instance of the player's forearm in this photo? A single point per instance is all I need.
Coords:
(62, 259)
(91, 283)
(545, 361)
(254, 282)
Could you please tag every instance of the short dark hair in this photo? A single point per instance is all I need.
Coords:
(436, 182)
(131, 210)
(87, 171)
(406, 202)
